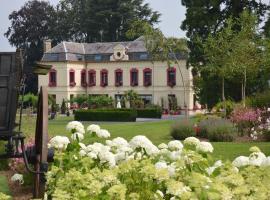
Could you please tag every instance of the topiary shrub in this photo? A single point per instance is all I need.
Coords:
(117, 115)
(217, 129)
(182, 129)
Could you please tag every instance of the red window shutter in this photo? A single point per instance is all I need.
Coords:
(72, 82)
(91, 78)
(147, 77)
(52, 78)
(118, 75)
(134, 77)
(103, 78)
(171, 76)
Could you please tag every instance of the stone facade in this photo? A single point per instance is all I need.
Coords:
(155, 82)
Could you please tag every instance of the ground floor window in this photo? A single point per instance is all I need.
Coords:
(119, 98)
(147, 99)
(172, 102)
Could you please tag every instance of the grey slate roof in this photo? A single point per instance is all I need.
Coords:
(72, 51)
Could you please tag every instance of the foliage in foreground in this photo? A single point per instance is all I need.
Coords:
(4, 196)
(140, 170)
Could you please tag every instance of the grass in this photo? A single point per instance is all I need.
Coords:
(4, 185)
(157, 132)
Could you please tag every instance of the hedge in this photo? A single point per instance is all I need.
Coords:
(117, 115)
(149, 113)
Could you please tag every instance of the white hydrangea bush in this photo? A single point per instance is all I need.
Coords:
(138, 169)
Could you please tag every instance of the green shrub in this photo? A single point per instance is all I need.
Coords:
(217, 130)
(101, 101)
(229, 105)
(182, 129)
(259, 100)
(149, 113)
(3, 162)
(117, 115)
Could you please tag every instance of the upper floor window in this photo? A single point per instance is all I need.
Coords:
(171, 76)
(104, 78)
(118, 77)
(83, 78)
(91, 78)
(147, 77)
(72, 82)
(134, 77)
(52, 78)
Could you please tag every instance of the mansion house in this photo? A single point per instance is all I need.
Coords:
(111, 68)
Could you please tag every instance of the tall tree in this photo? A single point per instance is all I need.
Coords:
(29, 27)
(235, 55)
(207, 17)
(204, 17)
(103, 20)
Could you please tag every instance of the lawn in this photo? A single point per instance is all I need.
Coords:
(158, 132)
(3, 185)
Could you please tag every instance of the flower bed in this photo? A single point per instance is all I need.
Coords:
(137, 169)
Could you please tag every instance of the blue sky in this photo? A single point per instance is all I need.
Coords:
(173, 13)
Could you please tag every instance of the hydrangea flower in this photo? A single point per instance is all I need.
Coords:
(256, 158)
(102, 133)
(17, 178)
(191, 141)
(78, 136)
(142, 142)
(175, 145)
(163, 146)
(216, 165)
(254, 149)
(205, 147)
(75, 126)
(59, 142)
(107, 157)
(93, 128)
(241, 161)
(119, 142)
(266, 162)
(161, 165)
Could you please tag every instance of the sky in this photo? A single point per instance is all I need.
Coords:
(173, 13)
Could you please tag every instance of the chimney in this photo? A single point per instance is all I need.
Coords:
(47, 45)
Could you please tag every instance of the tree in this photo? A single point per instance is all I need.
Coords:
(102, 20)
(235, 54)
(204, 17)
(29, 27)
(72, 20)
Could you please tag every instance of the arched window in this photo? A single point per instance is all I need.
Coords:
(72, 82)
(171, 76)
(83, 78)
(91, 78)
(118, 77)
(103, 78)
(134, 77)
(147, 77)
(52, 78)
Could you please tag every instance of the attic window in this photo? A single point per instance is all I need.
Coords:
(143, 56)
(98, 57)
